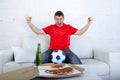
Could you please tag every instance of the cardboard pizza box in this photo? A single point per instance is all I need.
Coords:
(20, 74)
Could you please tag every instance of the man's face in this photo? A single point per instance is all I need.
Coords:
(59, 20)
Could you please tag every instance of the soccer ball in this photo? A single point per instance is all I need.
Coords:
(58, 56)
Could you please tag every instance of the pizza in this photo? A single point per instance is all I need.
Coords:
(57, 66)
(64, 70)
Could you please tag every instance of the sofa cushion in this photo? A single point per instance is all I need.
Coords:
(81, 46)
(81, 49)
(95, 66)
(32, 41)
(5, 56)
(24, 54)
(11, 66)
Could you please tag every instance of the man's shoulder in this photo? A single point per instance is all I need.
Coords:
(67, 25)
(51, 25)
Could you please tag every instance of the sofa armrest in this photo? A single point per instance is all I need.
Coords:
(114, 63)
(101, 55)
(5, 56)
(112, 59)
(1, 62)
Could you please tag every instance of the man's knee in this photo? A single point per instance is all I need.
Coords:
(46, 56)
(75, 60)
(71, 57)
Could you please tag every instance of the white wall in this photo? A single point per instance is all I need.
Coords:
(103, 33)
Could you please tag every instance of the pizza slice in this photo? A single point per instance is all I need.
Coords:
(65, 70)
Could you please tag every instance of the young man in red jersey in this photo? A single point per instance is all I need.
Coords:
(59, 37)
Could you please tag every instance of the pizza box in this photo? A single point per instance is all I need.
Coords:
(26, 73)
(42, 68)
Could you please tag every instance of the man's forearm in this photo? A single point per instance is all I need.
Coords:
(35, 29)
(83, 30)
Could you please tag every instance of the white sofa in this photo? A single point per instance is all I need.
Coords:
(94, 61)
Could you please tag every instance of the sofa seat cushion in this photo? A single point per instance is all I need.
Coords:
(91, 66)
(94, 66)
(10, 66)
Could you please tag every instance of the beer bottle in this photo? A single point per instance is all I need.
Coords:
(38, 55)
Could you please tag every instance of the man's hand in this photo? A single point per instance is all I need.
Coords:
(28, 19)
(90, 20)
(33, 27)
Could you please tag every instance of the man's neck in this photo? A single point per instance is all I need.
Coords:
(59, 25)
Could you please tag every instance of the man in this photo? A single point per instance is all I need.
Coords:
(59, 37)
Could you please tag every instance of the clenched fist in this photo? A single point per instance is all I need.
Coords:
(28, 19)
(90, 20)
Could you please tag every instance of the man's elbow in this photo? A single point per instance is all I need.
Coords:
(37, 33)
(80, 34)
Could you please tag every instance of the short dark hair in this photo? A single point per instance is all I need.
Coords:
(59, 13)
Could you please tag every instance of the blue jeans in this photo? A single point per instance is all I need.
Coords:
(70, 57)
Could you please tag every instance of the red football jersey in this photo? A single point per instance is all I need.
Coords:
(59, 36)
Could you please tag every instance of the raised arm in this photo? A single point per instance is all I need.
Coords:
(33, 27)
(85, 28)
